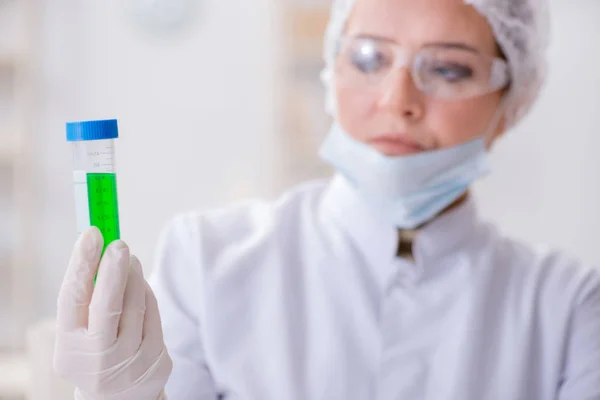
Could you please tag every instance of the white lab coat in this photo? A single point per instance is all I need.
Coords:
(305, 299)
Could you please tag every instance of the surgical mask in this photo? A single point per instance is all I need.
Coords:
(406, 190)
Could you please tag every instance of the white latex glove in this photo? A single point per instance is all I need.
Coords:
(109, 342)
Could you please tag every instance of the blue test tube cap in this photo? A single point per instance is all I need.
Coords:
(92, 130)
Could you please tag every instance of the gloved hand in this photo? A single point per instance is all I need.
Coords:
(109, 341)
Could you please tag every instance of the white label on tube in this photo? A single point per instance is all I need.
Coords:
(82, 205)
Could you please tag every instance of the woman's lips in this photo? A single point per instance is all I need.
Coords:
(395, 145)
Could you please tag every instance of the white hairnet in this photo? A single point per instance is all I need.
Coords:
(521, 29)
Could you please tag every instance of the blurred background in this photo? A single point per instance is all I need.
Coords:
(219, 101)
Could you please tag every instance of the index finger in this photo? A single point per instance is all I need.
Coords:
(77, 286)
(107, 301)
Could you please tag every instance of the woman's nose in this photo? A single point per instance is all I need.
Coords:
(400, 95)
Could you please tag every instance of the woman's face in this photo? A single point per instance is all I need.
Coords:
(397, 118)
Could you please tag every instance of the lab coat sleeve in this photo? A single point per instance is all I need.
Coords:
(177, 281)
(581, 380)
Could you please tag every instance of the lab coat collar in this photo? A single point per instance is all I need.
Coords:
(374, 237)
(378, 239)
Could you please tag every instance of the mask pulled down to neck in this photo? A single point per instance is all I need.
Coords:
(406, 190)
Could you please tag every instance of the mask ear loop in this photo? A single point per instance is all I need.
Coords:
(495, 121)
(499, 77)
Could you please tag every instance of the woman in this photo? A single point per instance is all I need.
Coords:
(379, 284)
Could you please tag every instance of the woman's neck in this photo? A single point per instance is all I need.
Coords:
(406, 236)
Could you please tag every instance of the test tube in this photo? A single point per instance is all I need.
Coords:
(95, 177)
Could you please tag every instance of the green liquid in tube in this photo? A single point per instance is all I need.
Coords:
(103, 205)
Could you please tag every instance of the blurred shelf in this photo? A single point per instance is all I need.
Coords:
(18, 57)
(308, 21)
(9, 151)
(11, 59)
(8, 155)
(305, 30)
(14, 376)
(10, 141)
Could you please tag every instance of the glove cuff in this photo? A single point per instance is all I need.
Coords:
(79, 395)
(162, 396)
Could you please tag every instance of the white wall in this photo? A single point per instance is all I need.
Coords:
(195, 110)
(198, 122)
(546, 180)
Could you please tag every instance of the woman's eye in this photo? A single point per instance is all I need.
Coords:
(452, 72)
(368, 60)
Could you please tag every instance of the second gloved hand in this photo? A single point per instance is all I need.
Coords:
(109, 341)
